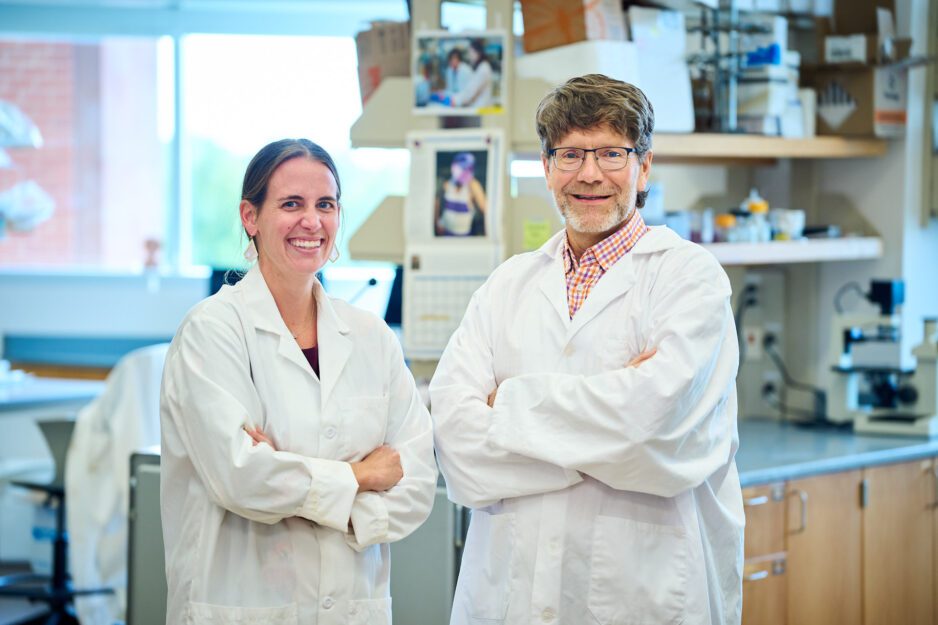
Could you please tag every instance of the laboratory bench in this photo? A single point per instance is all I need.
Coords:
(773, 451)
(841, 528)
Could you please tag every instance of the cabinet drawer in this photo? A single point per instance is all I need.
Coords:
(765, 520)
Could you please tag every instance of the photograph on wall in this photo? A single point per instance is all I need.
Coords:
(461, 203)
(455, 186)
(458, 74)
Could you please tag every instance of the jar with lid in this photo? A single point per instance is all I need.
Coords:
(725, 228)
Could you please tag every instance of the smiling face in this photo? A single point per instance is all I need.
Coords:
(595, 203)
(295, 227)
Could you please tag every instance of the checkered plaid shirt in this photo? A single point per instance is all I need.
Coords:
(583, 274)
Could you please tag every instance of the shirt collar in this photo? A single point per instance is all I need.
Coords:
(610, 249)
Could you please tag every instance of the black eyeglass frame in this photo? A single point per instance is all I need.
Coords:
(552, 153)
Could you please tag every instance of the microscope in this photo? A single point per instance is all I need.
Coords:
(868, 385)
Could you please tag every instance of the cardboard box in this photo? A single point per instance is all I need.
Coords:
(865, 49)
(552, 23)
(766, 91)
(862, 100)
(859, 16)
(383, 50)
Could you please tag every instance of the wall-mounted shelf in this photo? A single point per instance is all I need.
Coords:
(387, 117)
(805, 251)
(708, 145)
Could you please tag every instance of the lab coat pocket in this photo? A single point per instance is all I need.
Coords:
(638, 572)
(487, 565)
(209, 614)
(364, 423)
(369, 612)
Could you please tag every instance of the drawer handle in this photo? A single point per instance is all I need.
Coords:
(934, 469)
(803, 496)
(756, 576)
(756, 501)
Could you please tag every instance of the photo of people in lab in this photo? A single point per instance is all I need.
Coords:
(458, 75)
(461, 203)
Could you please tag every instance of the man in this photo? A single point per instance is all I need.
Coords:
(457, 73)
(585, 409)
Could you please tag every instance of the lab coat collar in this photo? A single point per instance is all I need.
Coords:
(657, 239)
(615, 282)
(335, 346)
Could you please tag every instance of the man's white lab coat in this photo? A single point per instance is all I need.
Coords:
(254, 535)
(601, 494)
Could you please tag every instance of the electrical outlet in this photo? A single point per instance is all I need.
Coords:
(752, 337)
(764, 317)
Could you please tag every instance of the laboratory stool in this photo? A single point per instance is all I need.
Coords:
(56, 590)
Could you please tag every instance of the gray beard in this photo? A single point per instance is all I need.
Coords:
(607, 223)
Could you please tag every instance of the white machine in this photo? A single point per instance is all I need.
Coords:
(869, 387)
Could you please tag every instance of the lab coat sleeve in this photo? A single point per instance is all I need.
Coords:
(383, 517)
(661, 428)
(208, 396)
(478, 474)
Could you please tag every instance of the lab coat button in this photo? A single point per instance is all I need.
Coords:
(568, 350)
(328, 603)
(330, 432)
(548, 615)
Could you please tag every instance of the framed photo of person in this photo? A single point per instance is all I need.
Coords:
(458, 73)
(455, 186)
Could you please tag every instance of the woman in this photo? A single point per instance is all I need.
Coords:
(294, 443)
(462, 200)
(477, 91)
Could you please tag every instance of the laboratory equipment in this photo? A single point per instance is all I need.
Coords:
(869, 386)
(919, 416)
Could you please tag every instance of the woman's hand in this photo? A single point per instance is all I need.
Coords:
(259, 437)
(379, 471)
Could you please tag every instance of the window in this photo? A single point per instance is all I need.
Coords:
(121, 170)
(102, 163)
(240, 93)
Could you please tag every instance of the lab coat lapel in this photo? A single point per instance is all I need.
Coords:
(266, 318)
(553, 282)
(335, 346)
(615, 283)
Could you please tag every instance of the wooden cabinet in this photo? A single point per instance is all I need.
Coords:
(764, 579)
(824, 550)
(855, 547)
(898, 544)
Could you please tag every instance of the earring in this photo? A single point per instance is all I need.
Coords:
(250, 252)
(334, 254)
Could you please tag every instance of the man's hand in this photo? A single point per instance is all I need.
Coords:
(491, 400)
(378, 471)
(259, 437)
(635, 362)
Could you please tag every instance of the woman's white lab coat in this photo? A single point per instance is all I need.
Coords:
(601, 494)
(254, 535)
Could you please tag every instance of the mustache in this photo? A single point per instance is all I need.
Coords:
(574, 189)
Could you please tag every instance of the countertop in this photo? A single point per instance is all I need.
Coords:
(774, 451)
(32, 393)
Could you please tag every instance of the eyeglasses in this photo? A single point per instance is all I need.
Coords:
(608, 159)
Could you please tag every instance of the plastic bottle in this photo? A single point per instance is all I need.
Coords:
(760, 230)
(761, 227)
(725, 228)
